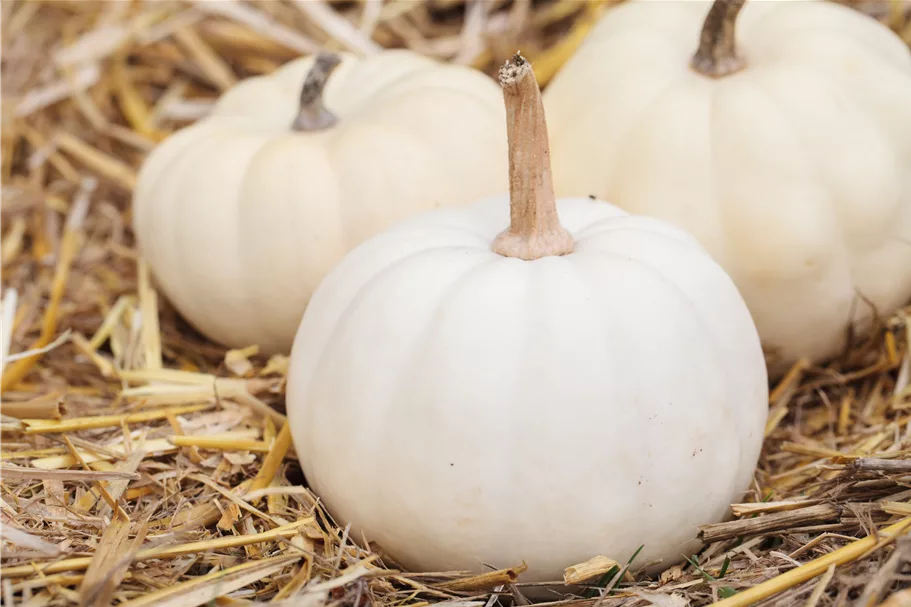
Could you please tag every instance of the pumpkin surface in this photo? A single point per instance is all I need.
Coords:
(584, 382)
(241, 214)
(781, 141)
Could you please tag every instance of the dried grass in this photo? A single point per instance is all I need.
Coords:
(144, 465)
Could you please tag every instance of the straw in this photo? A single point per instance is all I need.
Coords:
(143, 464)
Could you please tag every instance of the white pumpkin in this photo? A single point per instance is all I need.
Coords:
(240, 215)
(545, 394)
(786, 151)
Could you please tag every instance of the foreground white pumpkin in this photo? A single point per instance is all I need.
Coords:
(787, 154)
(241, 215)
(546, 394)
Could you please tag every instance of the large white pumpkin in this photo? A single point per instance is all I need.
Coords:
(569, 387)
(240, 215)
(786, 151)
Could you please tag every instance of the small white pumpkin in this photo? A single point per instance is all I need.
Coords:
(241, 214)
(544, 395)
(786, 154)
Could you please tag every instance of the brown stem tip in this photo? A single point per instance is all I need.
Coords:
(717, 53)
(534, 228)
(313, 116)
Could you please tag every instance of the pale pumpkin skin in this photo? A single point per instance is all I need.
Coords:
(459, 407)
(794, 172)
(240, 217)
(527, 380)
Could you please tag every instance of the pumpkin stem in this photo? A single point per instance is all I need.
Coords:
(534, 228)
(717, 54)
(313, 116)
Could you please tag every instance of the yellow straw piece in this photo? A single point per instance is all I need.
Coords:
(41, 426)
(808, 571)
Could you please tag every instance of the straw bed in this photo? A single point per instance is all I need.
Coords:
(144, 465)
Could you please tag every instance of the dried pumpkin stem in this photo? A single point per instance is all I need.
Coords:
(313, 115)
(534, 228)
(717, 54)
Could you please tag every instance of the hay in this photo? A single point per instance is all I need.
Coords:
(144, 465)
